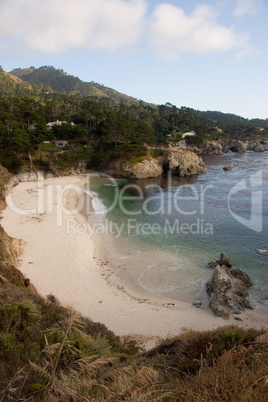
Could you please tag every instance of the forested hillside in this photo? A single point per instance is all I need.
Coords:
(14, 86)
(103, 128)
(60, 81)
(232, 121)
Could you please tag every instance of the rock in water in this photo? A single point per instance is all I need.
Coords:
(184, 163)
(212, 148)
(141, 170)
(227, 167)
(212, 264)
(228, 291)
(238, 146)
(259, 148)
(263, 250)
(225, 260)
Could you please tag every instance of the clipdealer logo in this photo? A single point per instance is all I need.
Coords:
(255, 222)
(50, 199)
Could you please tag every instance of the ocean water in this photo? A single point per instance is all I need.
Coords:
(180, 224)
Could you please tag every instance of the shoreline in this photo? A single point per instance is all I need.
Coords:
(85, 276)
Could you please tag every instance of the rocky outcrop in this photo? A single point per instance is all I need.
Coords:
(183, 163)
(255, 146)
(227, 167)
(238, 146)
(228, 290)
(224, 260)
(141, 170)
(5, 177)
(180, 162)
(10, 247)
(259, 148)
(212, 148)
(226, 149)
(251, 145)
(263, 250)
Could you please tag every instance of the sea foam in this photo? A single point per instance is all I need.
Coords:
(97, 203)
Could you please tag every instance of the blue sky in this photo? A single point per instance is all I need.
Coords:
(208, 55)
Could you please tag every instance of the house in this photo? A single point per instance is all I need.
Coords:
(188, 134)
(57, 123)
(59, 143)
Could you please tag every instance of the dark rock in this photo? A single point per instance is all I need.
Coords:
(183, 163)
(226, 149)
(212, 148)
(197, 303)
(225, 260)
(238, 146)
(228, 291)
(242, 276)
(227, 167)
(259, 148)
(212, 264)
(238, 319)
(237, 312)
(255, 146)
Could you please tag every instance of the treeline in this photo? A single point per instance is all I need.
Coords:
(236, 125)
(106, 128)
(103, 128)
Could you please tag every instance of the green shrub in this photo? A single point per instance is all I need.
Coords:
(137, 159)
(156, 152)
(130, 150)
(10, 346)
(233, 336)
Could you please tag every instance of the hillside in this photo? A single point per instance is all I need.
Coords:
(60, 81)
(11, 85)
(229, 119)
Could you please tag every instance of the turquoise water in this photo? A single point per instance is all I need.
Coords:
(183, 223)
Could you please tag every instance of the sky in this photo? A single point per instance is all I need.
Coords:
(203, 54)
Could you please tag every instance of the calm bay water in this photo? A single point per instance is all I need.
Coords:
(181, 224)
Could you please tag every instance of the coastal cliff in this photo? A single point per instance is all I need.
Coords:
(180, 162)
(183, 163)
(237, 146)
(141, 170)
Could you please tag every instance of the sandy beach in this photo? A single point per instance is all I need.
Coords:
(62, 259)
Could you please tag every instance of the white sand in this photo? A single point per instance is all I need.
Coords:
(74, 268)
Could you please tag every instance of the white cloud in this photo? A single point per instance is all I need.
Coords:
(174, 33)
(55, 26)
(247, 7)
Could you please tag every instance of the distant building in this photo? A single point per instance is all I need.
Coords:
(188, 134)
(57, 123)
(59, 143)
